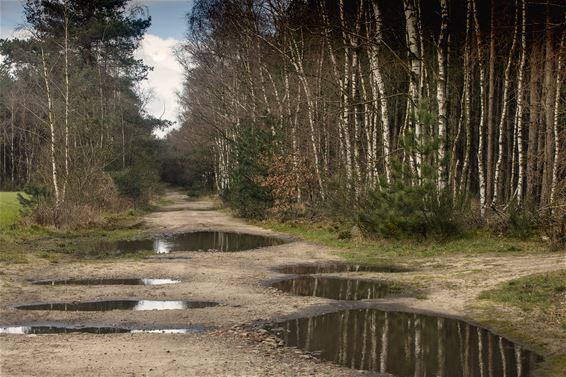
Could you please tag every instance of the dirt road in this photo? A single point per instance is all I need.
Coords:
(232, 279)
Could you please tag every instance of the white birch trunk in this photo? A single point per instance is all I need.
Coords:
(295, 145)
(64, 189)
(277, 96)
(353, 96)
(441, 94)
(480, 159)
(380, 84)
(51, 119)
(262, 81)
(341, 85)
(467, 103)
(355, 146)
(506, 83)
(345, 98)
(297, 63)
(370, 159)
(415, 76)
(454, 159)
(556, 130)
(519, 116)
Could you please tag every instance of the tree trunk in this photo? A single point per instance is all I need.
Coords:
(506, 83)
(480, 158)
(534, 112)
(490, 106)
(297, 63)
(555, 127)
(415, 77)
(519, 116)
(53, 142)
(549, 94)
(346, 98)
(377, 77)
(66, 158)
(441, 94)
(464, 187)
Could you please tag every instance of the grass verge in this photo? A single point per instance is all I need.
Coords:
(21, 243)
(9, 208)
(540, 295)
(373, 251)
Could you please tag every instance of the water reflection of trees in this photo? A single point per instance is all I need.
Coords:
(407, 344)
(336, 288)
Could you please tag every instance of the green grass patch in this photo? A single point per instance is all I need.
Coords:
(9, 208)
(22, 243)
(545, 292)
(373, 251)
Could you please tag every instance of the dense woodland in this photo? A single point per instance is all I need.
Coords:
(378, 109)
(406, 117)
(73, 132)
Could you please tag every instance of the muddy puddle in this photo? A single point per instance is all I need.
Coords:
(328, 268)
(338, 288)
(406, 344)
(194, 241)
(136, 305)
(106, 282)
(68, 329)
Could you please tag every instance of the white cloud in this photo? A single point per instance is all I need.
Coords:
(166, 79)
(20, 33)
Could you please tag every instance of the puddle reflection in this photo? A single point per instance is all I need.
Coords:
(407, 345)
(106, 282)
(194, 241)
(137, 305)
(337, 288)
(63, 329)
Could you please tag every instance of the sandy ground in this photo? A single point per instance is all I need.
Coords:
(236, 281)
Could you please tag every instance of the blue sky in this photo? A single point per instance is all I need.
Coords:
(167, 30)
(168, 16)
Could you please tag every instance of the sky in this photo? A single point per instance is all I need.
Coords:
(167, 29)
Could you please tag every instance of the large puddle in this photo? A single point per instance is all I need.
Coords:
(406, 344)
(338, 288)
(194, 241)
(328, 268)
(67, 329)
(106, 282)
(118, 305)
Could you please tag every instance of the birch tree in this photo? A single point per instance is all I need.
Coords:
(350, 83)
(504, 110)
(441, 94)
